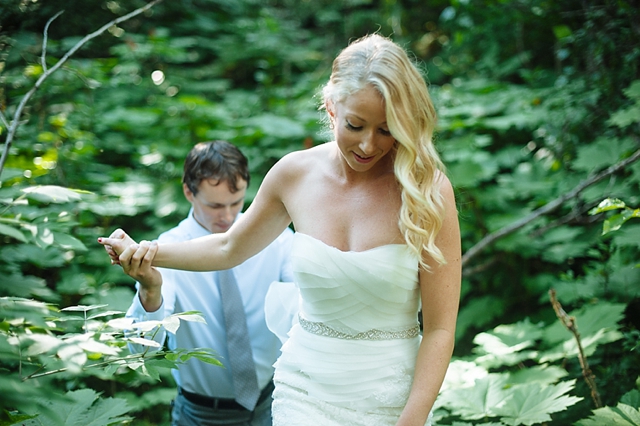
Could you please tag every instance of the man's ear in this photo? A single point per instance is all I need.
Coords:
(187, 193)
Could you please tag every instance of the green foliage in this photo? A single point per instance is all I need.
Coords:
(81, 408)
(38, 341)
(614, 222)
(626, 413)
(512, 377)
(534, 99)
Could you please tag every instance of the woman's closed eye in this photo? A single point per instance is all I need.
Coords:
(352, 127)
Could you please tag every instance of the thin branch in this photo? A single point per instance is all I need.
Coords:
(547, 208)
(576, 215)
(44, 40)
(14, 125)
(570, 324)
(470, 271)
(125, 358)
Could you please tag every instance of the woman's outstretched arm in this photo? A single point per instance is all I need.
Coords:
(263, 221)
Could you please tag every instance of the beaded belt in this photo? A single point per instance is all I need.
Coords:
(322, 329)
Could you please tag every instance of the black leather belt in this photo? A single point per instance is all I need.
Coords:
(223, 403)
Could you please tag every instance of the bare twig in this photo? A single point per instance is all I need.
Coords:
(577, 215)
(47, 72)
(476, 269)
(152, 355)
(570, 324)
(547, 208)
(44, 40)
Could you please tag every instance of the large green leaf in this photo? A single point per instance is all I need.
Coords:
(84, 408)
(597, 324)
(479, 401)
(12, 232)
(603, 152)
(590, 319)
(505, 344)
(68, 242)
(621, 415)
(532, 403)
(544, 374)
(53, 194)
(631, 114)
(280, 127)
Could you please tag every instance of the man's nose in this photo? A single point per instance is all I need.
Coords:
(228, 214)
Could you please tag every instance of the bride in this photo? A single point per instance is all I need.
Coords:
(377, 239)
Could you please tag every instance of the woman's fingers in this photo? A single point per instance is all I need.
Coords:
(116, 243)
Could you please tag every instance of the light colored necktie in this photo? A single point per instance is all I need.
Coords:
(243, 370)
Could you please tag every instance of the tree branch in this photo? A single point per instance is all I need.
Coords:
(47, 72)
(570, 324)
(547, 208)
(44, 41)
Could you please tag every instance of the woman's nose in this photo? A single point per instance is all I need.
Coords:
(367, 144)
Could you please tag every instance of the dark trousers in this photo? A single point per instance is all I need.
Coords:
(189, 413)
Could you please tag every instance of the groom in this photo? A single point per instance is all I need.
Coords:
(215, 181)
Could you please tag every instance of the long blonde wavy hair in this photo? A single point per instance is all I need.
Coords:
(379, 62)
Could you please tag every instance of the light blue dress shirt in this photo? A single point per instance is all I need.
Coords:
(188, 291)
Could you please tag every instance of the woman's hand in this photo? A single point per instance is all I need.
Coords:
(117, 243)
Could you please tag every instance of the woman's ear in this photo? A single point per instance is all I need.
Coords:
(328, 105)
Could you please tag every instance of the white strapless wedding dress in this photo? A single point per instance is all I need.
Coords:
(350, 355)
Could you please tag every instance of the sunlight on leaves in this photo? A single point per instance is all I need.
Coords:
(53, 194)
(530, 404)
(608, 204)
(478, 401)
(462, 374)
(83, 308)
(171, 323)
(144, 342)
(621, 415)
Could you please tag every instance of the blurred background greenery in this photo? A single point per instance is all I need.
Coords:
(533, 96)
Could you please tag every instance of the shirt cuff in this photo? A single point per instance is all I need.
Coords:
(137, 311)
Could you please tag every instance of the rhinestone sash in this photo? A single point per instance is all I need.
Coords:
(322, 329)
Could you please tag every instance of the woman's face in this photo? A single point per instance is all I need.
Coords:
(360, 128)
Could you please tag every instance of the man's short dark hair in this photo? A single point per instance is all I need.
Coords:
(217, 160)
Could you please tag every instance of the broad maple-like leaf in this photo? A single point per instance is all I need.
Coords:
(532, 403)
(83, 408)
(622, 415)
(479, 401)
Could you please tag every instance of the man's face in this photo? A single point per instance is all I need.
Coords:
(215, 207)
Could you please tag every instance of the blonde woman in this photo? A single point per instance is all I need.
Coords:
(377, 239)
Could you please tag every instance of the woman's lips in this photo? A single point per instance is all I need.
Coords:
(363, 160)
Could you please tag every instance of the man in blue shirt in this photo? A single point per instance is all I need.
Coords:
(215, 181)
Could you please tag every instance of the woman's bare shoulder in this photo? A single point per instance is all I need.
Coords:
(299, 163)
